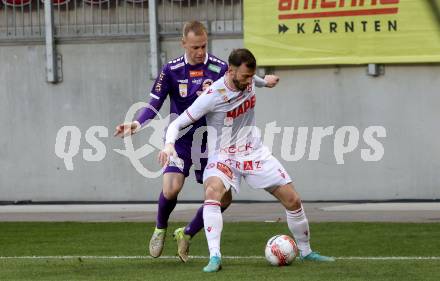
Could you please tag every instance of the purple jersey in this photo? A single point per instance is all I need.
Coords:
(183, 83)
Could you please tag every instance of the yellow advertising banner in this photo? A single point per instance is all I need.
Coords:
(311, 32)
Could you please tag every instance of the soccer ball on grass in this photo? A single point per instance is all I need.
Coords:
(281, 250)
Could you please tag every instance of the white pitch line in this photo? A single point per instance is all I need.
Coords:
(204, 257)
(388, 258)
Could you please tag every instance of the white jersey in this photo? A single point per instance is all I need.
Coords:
(230, 118)
(234, 142)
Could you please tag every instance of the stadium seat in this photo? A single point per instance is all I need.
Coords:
(16, 3)
(183, 3)
(136, 1)
(95, 2)
(58, 2)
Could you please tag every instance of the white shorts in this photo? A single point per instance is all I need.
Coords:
(259, 174)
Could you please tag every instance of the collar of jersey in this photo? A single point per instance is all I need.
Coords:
(186, 61)
(229, 88)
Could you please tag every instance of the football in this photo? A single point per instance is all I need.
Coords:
(281, 250)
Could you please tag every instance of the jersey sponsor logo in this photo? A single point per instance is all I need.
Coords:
(158, 87)
(243, 108)
(185, 81)
(247, 166)
(233, 163)
(224, 169)
(258, 165)
(197, 81)
(183, 90)
(282, 174)
(237, 149)
(210, 166)
(173, 67)
(214, 68)
(196, 73)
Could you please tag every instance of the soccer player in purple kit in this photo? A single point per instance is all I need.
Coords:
(183, 79)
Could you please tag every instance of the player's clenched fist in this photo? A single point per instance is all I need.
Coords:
(271, 80)
(164, 156)
(127, 129)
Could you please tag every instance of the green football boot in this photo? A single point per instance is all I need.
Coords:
(183, 241)
(157, 241)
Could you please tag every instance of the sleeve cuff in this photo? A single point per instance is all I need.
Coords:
(138, 126)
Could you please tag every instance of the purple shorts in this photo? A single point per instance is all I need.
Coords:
(183, 149)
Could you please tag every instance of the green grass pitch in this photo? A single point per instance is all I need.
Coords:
(117, 251)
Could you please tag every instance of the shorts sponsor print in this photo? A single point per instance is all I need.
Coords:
(259, 174)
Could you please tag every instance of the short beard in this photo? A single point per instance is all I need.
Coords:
(238, 85)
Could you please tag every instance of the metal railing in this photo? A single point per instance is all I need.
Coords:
(21, 19)
(219, 16)
(24, 19)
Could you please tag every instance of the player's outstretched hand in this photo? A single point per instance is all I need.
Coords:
(271, 80)
(126, 129)
(164, 155)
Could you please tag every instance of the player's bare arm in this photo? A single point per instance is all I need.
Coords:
(127, 129)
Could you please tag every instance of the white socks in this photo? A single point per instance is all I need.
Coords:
(213, 222)
(299, 226)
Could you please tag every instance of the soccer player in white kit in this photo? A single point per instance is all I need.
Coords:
(236, 152)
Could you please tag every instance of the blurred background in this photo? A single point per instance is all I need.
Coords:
(84, 63)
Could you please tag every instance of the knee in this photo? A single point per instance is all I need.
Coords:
(213, 193)
(293, 202)
(170, 194)
(171, 191)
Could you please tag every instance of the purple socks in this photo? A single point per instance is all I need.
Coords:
(164, 209)
(197, 222)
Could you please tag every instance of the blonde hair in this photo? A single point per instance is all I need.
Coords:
(194, 26)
